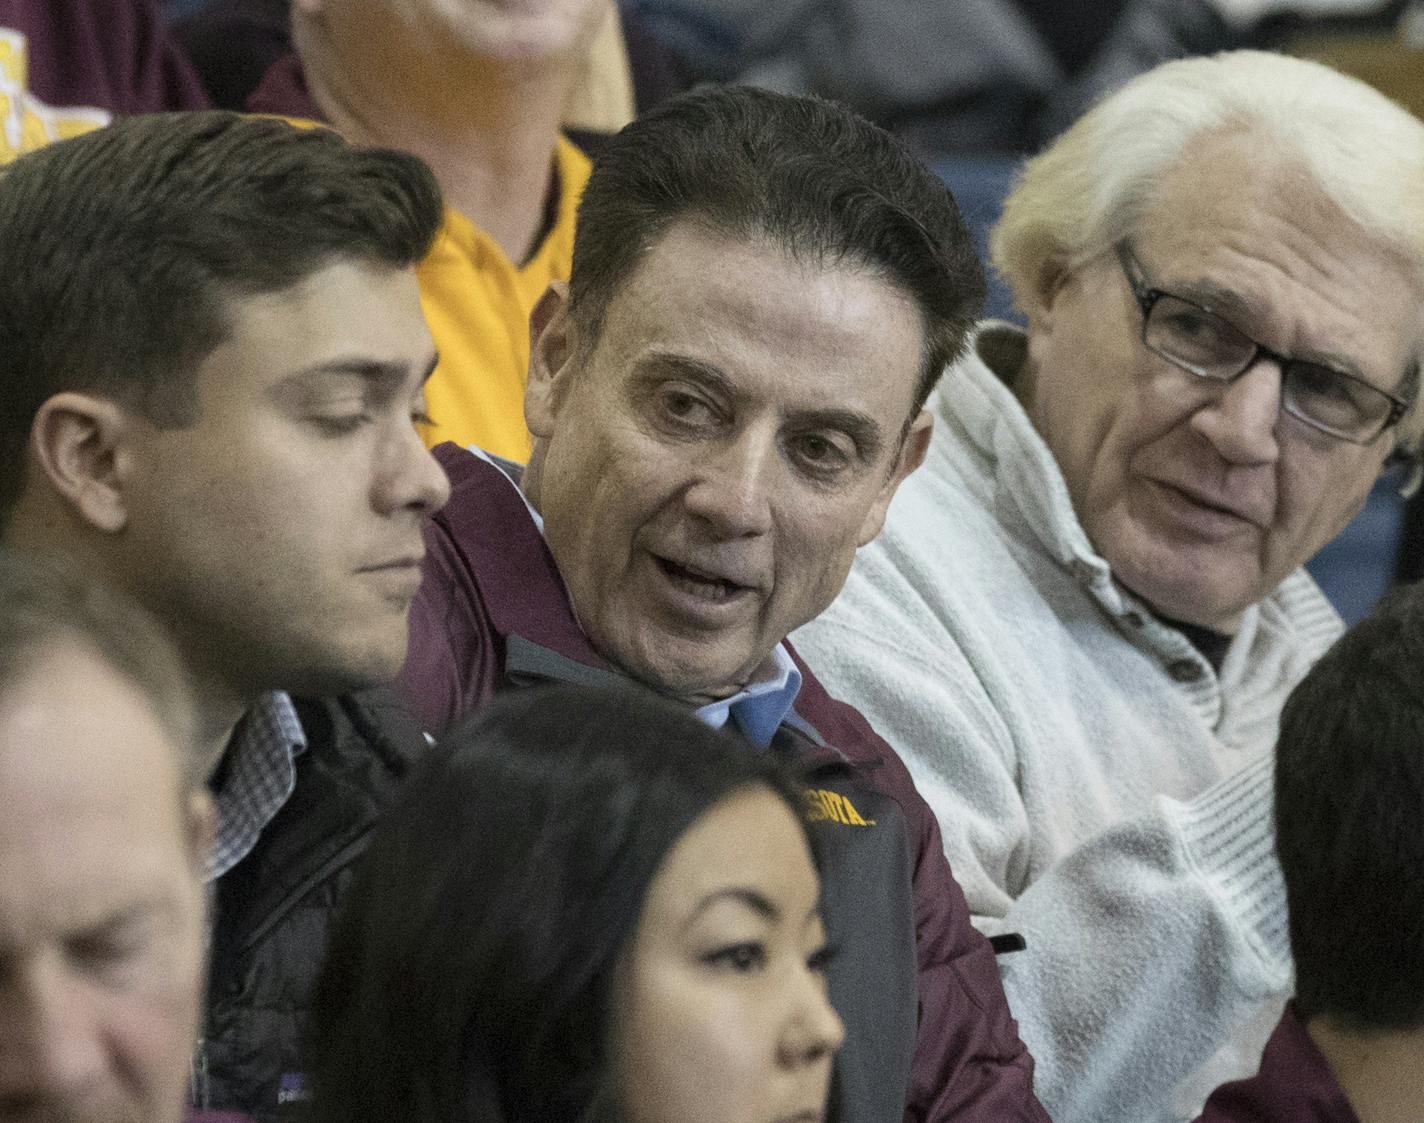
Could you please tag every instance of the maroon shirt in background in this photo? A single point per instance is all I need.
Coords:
(109, 54)
(283, 91)
(1294, 1085)
(489, 576)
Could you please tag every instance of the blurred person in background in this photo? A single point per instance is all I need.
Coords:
(1349, 788)
(953, 79)
(589, 906)
(1087, 607)
(212, 358)
(105, 827)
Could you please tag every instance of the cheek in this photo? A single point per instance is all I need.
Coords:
(694, 1054)
(151, 1030)
(1318, 498)
(814, 552)
(1097, 408)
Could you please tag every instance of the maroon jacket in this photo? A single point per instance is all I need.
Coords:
(1294, 1085)
(114, 55)
(929, 1034)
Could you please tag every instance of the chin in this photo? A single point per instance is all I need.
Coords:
(682, 670)
(1190, 601)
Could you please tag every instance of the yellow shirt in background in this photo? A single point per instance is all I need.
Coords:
(477, 303)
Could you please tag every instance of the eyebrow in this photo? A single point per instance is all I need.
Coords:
(861, 428)
(1232, 305)
(757, 902)
(1216, 298)
(375, 371)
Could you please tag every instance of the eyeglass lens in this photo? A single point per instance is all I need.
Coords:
(1209, 347)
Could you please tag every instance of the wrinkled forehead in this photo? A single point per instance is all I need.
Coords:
(742, 303)
(1244, 227)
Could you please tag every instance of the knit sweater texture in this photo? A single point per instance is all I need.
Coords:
(1101, 789)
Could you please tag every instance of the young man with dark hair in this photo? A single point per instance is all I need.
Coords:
(104, 830)
(212, 357)
(1349, 804)
(724, 400)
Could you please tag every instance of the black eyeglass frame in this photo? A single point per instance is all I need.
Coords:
(1147, 297)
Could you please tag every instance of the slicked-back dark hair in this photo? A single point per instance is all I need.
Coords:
(805, 175)
(44, 602)
(120, 250)
(469, 977)
(1350, 823)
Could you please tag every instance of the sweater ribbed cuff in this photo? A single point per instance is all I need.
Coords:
(1230, 836)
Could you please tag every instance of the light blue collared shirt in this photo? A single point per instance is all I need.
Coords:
(760, 708)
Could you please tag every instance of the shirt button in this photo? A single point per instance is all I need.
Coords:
(1184, 670)
(1082, 572)
(1134, 619)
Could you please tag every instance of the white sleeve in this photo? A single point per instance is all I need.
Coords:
(1147, 945)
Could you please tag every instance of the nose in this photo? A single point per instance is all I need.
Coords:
(813, 1031)
(731, 487)
(51, 1044)
(408, 477)
(1240, 420)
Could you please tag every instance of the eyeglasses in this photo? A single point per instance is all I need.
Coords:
(1200, 342)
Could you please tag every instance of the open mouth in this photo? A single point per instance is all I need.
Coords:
(700, 584)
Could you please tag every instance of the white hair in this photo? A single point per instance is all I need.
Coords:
(1093, 185)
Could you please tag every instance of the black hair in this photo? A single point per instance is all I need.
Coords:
(1350, 823)
(120, 249)
(469, 976)
(805, 175)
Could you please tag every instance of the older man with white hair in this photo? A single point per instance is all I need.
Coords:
(1087, 608)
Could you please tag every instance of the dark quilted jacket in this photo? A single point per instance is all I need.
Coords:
(274, 909)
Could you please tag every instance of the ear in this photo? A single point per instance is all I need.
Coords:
(912, 454)
(551, 349)
(1048, 282)
(80, 443)
(200, 825)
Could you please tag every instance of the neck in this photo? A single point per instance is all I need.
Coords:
(43, 525)
(488, 128)
(1380, 1072)
(219, 711)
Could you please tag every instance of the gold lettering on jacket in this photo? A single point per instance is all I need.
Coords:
(822, 805)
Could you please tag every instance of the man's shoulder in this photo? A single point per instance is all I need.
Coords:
(487, 531)
(845, 734)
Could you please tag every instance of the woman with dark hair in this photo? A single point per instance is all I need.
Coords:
(589, 908)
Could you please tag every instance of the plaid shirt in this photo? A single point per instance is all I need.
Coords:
(261, 772)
